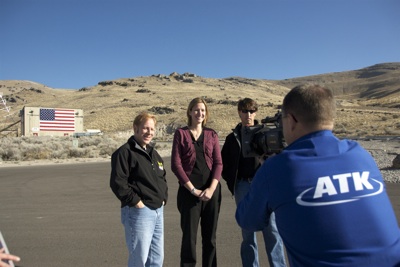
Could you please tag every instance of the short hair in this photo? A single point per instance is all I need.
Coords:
(311, 104)
(143, 117)
(190, 107)
(247, 103)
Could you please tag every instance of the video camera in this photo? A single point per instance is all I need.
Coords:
(265, 138)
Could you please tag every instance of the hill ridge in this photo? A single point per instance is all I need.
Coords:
(368, 99)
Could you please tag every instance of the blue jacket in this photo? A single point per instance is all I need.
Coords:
(330, 203)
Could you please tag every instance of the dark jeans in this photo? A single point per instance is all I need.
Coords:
(193, 211)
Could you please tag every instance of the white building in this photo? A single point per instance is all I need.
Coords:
(40, 121)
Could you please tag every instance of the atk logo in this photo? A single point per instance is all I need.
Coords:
(335, 190)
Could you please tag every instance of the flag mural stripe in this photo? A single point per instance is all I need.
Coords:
(57, 120)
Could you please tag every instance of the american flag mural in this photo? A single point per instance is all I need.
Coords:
(57, 120)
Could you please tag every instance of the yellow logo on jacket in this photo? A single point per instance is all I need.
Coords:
(160, 165)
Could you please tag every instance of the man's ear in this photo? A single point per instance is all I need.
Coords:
(292, 121)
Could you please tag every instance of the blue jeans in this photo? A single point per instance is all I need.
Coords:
(272, 239)
(144, 235)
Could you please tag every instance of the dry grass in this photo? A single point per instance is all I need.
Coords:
(18, 149)
(112, 105)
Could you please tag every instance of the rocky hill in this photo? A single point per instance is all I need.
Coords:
(379, 84)
(368, 100)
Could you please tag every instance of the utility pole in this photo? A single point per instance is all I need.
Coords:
(6, 122)
(3, 101)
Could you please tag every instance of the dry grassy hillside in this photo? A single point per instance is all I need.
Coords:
(377, 85)
(112, 105)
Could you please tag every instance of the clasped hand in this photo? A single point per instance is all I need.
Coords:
(206, 194)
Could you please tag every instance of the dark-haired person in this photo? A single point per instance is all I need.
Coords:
(138, 181)
(196, 162)
(238, 172)
(327, 194)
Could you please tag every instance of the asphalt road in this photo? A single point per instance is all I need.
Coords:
(66, 215)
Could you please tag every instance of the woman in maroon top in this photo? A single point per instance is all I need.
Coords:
(196, 162)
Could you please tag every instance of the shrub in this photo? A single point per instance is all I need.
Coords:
(143, 91)
(45, 147)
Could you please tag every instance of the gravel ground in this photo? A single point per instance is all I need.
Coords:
(384, 151)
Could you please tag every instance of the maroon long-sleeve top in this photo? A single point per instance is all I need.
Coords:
(183, 155)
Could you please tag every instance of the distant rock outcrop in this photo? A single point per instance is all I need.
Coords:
(186, 77)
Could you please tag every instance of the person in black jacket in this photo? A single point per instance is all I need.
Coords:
(138, 180)
(238, 172)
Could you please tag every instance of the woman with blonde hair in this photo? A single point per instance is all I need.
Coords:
(196, 162)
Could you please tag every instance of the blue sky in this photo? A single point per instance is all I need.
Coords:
(77, 43)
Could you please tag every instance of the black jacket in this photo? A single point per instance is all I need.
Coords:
(230, 157)
(138, 175)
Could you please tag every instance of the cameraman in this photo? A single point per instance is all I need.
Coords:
(238, 172)
(328, 194)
